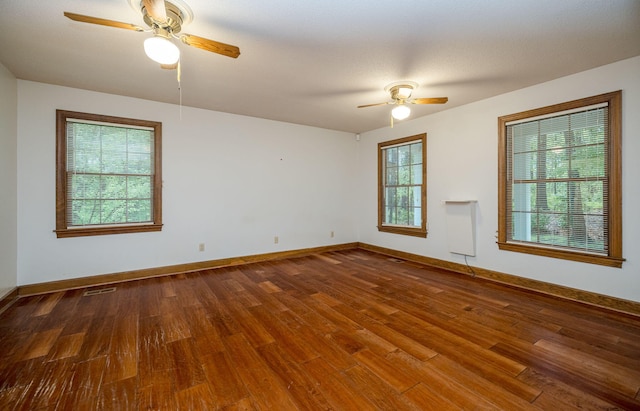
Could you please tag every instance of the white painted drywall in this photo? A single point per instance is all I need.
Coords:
(8, 181)
(230, 182)
(462, 163)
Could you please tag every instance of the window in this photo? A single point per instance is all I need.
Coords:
(560, 181)
(108, 175)
(402, 186)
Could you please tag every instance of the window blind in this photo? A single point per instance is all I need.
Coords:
(557, 179)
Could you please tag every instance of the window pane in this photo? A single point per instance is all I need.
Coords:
(523, 195)
(85, 161)
(416, 174)
(113, 187)
(588, 161)
(402, 197)
(524, 166)
(85, 212)
(392, 176)
(404, 155)
(113, 211)
(392, 156)
(85, 186)
(557, 163)
(390, 214)
(416, 153)
(139, 141)
(139, 187)
(139, 163)
(390, 197)
(404, 175)
(139, 210)
(416, 196)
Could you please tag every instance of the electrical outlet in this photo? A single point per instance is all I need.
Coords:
(201, 247)
(275, 240)
(332, 234)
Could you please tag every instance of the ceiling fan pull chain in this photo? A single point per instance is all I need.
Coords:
(179, 74)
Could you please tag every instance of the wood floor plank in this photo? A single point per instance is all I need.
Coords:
(205, 335)
(300, 384)
(67, 346)
(548, 365)
(84, 385)
(50, 384)
(494, 393)
(265, 386)
(341, 330)
(158, 393)
(48, 303)
(336, 387)
(122, 356)
(41, 343)
(187, 366)
(299, 349)
(197, 397)
(387, 371)
(225, 382)
(555, 394)
(377, 391)
(623, 379)
(428, 400)
(118, 395)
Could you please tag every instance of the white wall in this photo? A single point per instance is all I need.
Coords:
(8, 181)
(462, 164)
(235, 182)
(230, 182)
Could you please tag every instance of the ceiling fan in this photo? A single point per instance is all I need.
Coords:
(165, 20)
(401, 96)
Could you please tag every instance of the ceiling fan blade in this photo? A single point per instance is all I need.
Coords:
(156, 10)
(210, 45)
(376, 104)
(102, 22)
(429, 100)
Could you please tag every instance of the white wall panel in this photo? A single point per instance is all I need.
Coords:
(230, 182)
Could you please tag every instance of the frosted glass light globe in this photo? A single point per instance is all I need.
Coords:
(161, 50)
(400, 112)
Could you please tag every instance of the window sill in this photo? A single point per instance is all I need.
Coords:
(415, 232)
(91, 231)
(583, 257)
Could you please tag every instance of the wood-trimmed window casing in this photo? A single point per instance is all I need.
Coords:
(613, 169)
(416, 231)
(63, 226)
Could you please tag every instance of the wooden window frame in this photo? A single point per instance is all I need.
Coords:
(614, 174)
(63, 230)
(404, 230)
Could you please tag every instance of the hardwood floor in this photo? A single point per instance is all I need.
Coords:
(347, 330)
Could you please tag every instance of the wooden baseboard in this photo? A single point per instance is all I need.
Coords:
(554, 290)
(82, 282)
(7, 299)
(586, 297)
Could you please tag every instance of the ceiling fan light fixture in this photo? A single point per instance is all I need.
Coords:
(161, 50)
(400, 112)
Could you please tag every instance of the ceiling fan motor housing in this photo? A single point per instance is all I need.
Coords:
(401, 90)
(175, 18)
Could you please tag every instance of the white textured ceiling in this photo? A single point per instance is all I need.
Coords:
(312, 62)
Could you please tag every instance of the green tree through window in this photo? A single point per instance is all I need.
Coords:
(560, 181)
(108, 175)
(402, 186)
